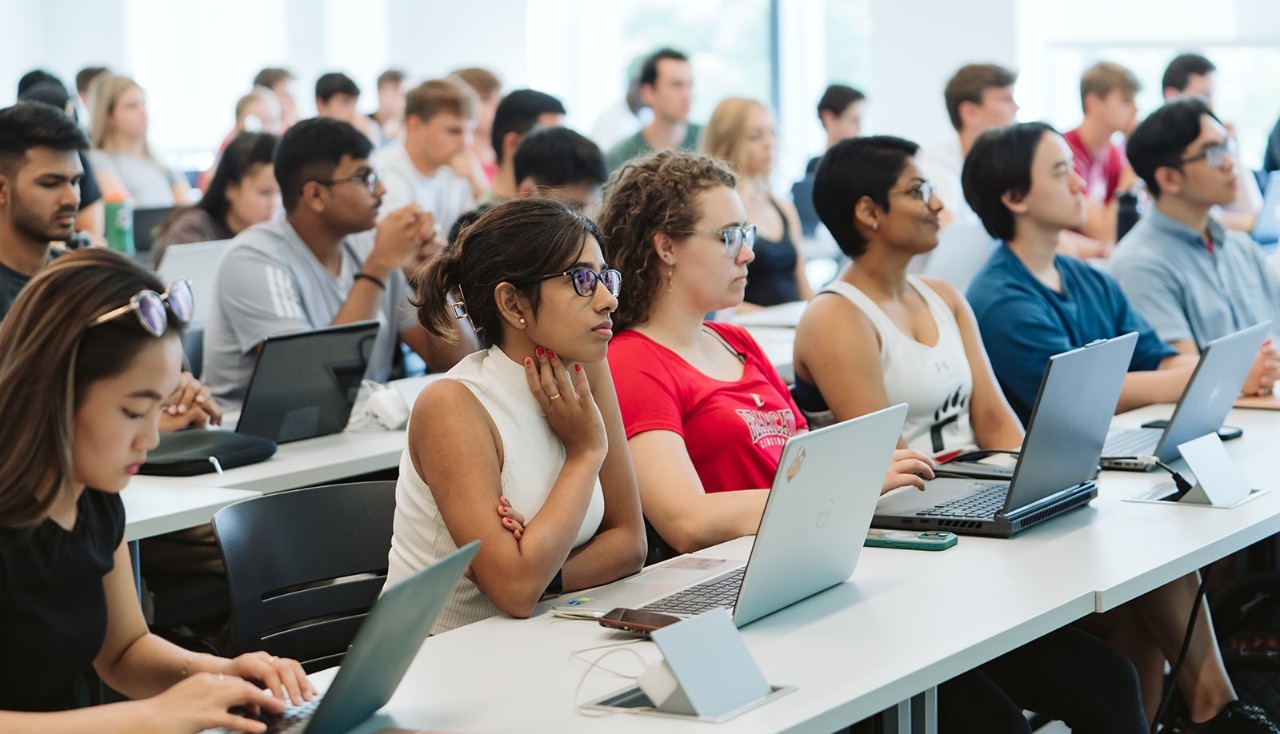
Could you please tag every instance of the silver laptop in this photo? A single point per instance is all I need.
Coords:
(1266, 230)
(815, 520)
(381, 653)
(1213, 388)
(197, 262)
(1055, 469)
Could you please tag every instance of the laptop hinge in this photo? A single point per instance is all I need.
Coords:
(1053, 499)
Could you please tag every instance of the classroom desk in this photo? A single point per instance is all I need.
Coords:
(154, 510)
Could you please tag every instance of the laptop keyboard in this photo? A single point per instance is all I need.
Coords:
(293, 720)
(721, 592)
(1131, 442)
(985, 501)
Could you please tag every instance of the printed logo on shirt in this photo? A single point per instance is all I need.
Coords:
(769, 427)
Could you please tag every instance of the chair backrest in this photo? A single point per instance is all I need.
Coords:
(305, 567)
(193, 348)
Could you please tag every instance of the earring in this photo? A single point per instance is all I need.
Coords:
(522, 321)
(875, 226)
(671, 286)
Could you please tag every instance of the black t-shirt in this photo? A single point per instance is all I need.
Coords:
(11, 283)
(53, 608)
(89, 191)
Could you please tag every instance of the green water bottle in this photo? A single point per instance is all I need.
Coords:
(119, 223)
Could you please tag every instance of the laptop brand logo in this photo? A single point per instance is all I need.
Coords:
(1217, 390)
(824, 514)
(794, 469)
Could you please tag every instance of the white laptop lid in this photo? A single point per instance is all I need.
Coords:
(197, 262)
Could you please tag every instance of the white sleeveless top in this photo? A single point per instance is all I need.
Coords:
(935, 382)
(532, 457)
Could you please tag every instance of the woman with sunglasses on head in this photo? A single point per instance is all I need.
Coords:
(705, 412)
(90, 350)
(520, 445)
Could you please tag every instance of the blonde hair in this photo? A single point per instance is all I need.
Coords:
(108, 89)
(725, 135)
(1105, 76)
(430, 98)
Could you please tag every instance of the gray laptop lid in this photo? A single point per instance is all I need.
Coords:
(387, 642)
(305, 383)
(1221, 372)
(1069, 421)
(197, 262)
(1266, 230)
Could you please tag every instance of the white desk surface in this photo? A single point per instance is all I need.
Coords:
(153, 510)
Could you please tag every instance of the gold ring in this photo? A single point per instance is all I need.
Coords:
(556, 396)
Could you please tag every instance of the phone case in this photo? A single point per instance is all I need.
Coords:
(636, 621)
(930, 540)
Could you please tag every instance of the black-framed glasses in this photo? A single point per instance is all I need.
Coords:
(1215, 154)
(735, 238)
(585, 279)
(369, 180)
(149, 307)
(922, 191)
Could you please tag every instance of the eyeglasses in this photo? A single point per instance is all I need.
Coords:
(922, 191)
(149, 307)
(1216, 154)
(735, 238)
(585, 280)
(370, 181)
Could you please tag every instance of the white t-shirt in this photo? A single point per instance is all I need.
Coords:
(445, 194)
(941, 163)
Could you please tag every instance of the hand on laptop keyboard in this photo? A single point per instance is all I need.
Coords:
(909, 469)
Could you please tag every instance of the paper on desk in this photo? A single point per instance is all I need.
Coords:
(1266, 402)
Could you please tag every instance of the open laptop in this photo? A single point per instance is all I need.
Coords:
(1213, 389)
(1055, 469)
(305, 382)
(146, 225)
(1266, 229)
(197, 262)
(815, 519)
(381, 653)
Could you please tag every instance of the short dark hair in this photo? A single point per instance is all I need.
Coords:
(1182, 68)
(968, 84)
(85, 77)
(335, 83)
(242, 155)
(999, 163)
(853, 169)
(271, 76)
(1161, 138)
(837, 99)
(310, 150)
(34, 77)
(649, 71)
(558, 156)
(28, 125)
(518, 112)
(390, 76)
(49, 92)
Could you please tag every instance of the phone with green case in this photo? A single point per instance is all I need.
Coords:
(929, 540)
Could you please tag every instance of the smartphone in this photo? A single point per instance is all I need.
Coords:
(636, 621)
(930, 540)
(1226, 433)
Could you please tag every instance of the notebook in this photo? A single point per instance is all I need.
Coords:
(1055, 469)
(305, 382)
(1206, 400)
(815, 520)
(381, 653)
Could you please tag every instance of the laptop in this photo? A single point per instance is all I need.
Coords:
(381, 653)
(146, 225)
(1056, 466)
(1209, 395)
(1266, 230)
(815, 520)
(197, 262)
(306, 382)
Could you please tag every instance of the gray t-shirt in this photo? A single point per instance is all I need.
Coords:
(444, 193)
(270, 283)
(149, 182)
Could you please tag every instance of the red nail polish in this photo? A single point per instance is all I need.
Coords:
(551, 354)
(577, 368)
(506, 521)
(538, 351)
(502, 510)
(528, 361)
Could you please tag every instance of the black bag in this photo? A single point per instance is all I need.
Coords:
(199, 451)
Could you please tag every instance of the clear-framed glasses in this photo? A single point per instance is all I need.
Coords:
(585, 280)
(149, 307)
(735, 238)
(369, 180)
(922, 191)
(1216, 154)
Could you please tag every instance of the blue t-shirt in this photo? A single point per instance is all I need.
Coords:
(1023, 322)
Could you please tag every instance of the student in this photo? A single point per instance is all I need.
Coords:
(840, 111)
(90, 349)
(1107, 93)
(417, 171)
(256, 112)
(891, 337)
(524, 438)
(86, 81)
(390, 113)
(242, 193)
(1193, 279)
(623, 117)
(280, 82)
(741, 133)
(321, 264)
(1031, 304)
(488, 89)
(517, 114)
(121, 156)
(666, 87)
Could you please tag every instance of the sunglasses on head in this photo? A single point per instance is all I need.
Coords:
(149, 307)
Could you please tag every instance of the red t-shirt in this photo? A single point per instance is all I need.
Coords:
(1101, 173)
(733, 431)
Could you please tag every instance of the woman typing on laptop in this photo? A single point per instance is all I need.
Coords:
(518, 429)
(707, 416)
(90, 350)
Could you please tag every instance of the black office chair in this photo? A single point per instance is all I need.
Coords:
(305, 567)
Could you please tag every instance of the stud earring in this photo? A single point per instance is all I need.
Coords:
(522, 321)
(875, 226)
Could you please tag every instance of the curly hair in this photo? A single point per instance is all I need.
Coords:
(647, 196)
